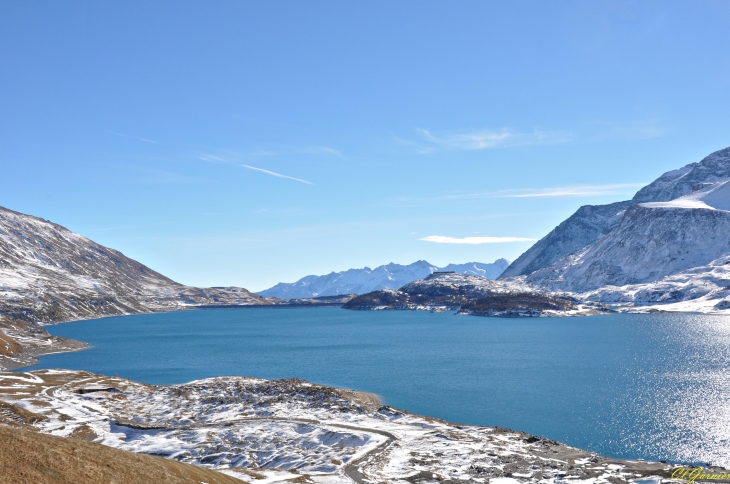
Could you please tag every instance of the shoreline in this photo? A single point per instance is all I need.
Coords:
(365, 439)
(32, 357)
(32, 342)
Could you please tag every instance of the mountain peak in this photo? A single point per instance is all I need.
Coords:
(675, 183)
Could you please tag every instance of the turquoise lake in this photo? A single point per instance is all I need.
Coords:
(630, 386)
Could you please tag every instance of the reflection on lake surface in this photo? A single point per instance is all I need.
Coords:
(630, 386)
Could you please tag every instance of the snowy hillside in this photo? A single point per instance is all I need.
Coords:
(673, 184)
(591, 222)
(668, 254)
(582, 228)
(699, 289)
(50, 274)
(361, 281)
(649, 243)
(467, 294)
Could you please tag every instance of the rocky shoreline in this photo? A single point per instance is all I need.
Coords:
(21, 343)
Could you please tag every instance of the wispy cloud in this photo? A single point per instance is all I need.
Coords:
(442, 239)
(259, 153)
(636, 129)
(485, 139)
(279, 175)
(233, 157)
(212, 158)
(553, 192)
(322, 150)
(133, 137)
(477, 140)
(570, 191)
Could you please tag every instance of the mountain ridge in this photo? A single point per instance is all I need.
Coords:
(591, 222)
(387, 276)
(668, 252)
(49, 274)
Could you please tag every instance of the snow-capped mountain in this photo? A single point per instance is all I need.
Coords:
(652, 240)
(591, 222)
(389, 276)
(50, 274)
(489, 271)
(660, 250)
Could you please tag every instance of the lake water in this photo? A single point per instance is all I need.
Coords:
(630, 386)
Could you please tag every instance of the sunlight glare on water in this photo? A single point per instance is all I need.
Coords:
(692, 400)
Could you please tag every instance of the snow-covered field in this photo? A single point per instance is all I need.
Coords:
(270, 431)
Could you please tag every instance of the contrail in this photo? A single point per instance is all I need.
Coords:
(277, 174)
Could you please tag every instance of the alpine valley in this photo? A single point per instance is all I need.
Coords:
(666, 249)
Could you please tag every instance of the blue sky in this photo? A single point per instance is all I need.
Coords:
(161, 129)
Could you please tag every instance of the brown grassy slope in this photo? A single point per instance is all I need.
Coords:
(27, 457)
(8, 346)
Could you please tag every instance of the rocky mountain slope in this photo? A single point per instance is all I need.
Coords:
(49, 274)
(582, 228)
(660, 253)
(592, 222)
(472, 295)
(652, 240)
(389, 276)
(687, 238)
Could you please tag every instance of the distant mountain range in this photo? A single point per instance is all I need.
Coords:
(389, 276)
